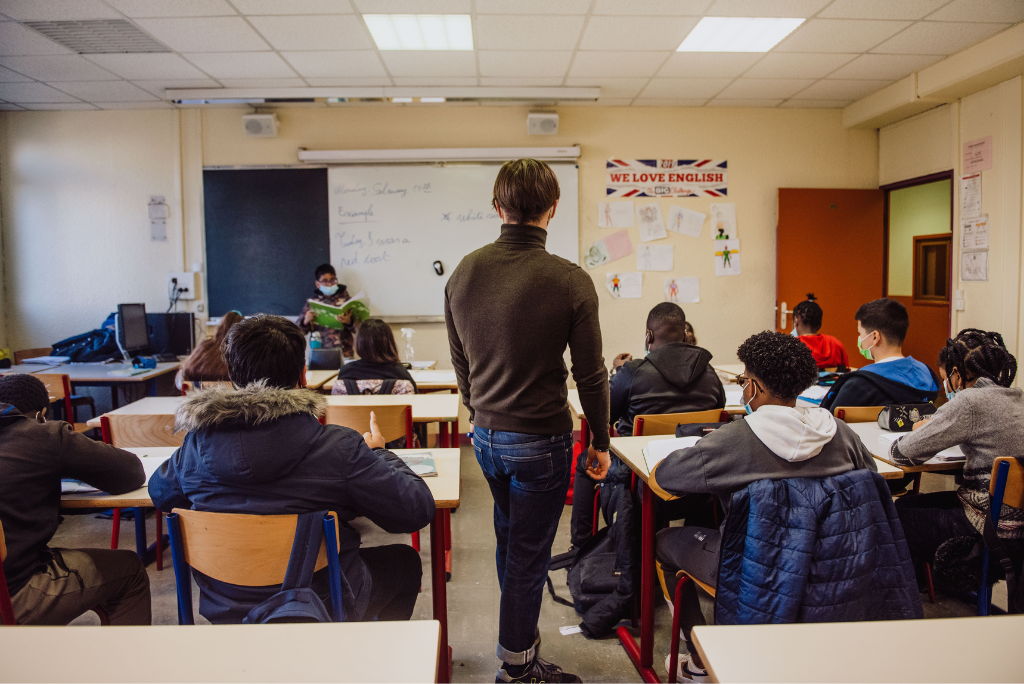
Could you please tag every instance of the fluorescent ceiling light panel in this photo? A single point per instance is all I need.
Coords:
(421, 31)
(737, 34)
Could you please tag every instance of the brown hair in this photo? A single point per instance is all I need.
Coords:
(229, 319)
(207, 360)
(525, 189)
(375, 342)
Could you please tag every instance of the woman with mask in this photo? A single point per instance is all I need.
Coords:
(329, 291)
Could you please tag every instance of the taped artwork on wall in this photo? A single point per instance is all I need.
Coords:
(625, 285)
(682, 290)
(666, 178)
(727, 257)
(609, 248)
(650, 223)
(615, 214)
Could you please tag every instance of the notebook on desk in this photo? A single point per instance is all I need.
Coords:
(950, 455)
(421, 464)
(656, 450)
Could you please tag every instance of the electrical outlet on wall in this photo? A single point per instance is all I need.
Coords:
(185, 285)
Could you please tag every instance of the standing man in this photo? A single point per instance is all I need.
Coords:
(511, 309)
(330, 292)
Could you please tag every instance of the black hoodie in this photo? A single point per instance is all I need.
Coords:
(674, 378)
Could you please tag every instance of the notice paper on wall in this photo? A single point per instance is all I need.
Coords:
(723, 221)
(654, 258)
(974, 266)
(615, 214)
(685, 221)
(682, 290)
(970, 196)
(978, 155)
(609, 248)
(625, 285)
(652, 225)
(727, 257)
(974, 234)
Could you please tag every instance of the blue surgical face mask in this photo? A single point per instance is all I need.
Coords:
(746, 405)
(949, 393)
(793, 333)
(328, 290)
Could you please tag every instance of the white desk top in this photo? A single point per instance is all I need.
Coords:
(334, 652)
(147, 406)
(854, 651)
(100, 372)
(136, 497)
(869, 434)
(315, 379)
(27, 368)
(434, 379)
(574, 403)
(426, 408)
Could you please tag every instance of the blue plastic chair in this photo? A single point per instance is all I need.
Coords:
(271, 539)
(998, 492)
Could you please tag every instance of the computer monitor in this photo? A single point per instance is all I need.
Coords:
(132, 331)
(171, 333)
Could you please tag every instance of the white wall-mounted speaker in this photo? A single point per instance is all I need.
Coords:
(542, 123)
(260, 125)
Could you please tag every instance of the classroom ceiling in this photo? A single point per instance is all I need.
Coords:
(845, 50)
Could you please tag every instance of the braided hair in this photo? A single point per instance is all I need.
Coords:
(809, 312)
(978, 354)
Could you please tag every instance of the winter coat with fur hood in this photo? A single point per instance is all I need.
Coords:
(262, 450)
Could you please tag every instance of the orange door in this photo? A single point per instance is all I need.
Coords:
(831, 243)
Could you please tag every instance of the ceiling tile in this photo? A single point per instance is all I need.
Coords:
(744, 103)
(880, 9)
(178, 8)
(668, 102)
(688, 88)
(430, 81)
(616, 63)
(708, 64)
(600, 102)
(8, 76)
(666, 8)
(32, 92)
(241, 64)
(347, 63)
(212, 34)
(511, 32)
(815, 104)
(532, 7)
(148, 67)
(611, 87)
(262, 82)
(524, 63)
(797, 65)
(636, 33)
(104, 91)
(828, 89)
(884, 66)
(413, 6)
(57, 68)
(521, 82)
(343, 32)
(69, 106)
(16, 39)
(255, 7)
(765, 8)
(839, 35)
(430, 62)
(1010, 11)
(158, 87)
(353, 82)
(764, 88)
(8, 107)
(56, 10)
(155, 104)
(932, 37)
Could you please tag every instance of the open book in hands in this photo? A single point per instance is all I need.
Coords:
(327, 314)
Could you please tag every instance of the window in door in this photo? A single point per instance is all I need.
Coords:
(931, 269)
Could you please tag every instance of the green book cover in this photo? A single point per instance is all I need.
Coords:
(327, 314)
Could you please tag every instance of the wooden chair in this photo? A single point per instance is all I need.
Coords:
(857, 414)
(76, 399)
(59, 388)
(665, 423)
(6, 609)
(1006, 487)
(247, 550)
(23, 354)
(188, 385)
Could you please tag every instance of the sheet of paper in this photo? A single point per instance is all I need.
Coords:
(596, 255)
(723, 221)
(652, 225)
(727, 257)
(570, 629)
(974, 234)
(953, 453)
(618, 244)
(814, 394)
(682, 290)
(656, 450)
(76, 487)
(685, 221)
(151, 464)
(974, 266)
(654, 258)
(733, 396)
(615, 214)
(625, 285)
(977, 155)
(970, 196)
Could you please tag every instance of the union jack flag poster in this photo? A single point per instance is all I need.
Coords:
(666, 178)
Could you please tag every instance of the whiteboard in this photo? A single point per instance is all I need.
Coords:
(390, 223)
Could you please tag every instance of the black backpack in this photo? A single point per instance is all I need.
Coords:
(92, 347)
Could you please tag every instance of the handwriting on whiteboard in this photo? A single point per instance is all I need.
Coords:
(381, 189)
(366, 247)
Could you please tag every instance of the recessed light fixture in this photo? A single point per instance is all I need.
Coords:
(432, 99)
(421, 31)
(401, 100)
(737, 34)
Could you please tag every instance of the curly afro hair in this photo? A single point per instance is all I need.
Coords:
(781, 362)
(24, 392)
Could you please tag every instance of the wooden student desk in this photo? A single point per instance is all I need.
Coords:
(334, 652)
(315, 379)
(856, 652)
(435, 380)
(98, 375)
(869, 434)
(446, 489)
(426, 408)
(20, 368)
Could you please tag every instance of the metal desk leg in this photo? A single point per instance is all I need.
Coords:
(643, 655)
(442, 435)
(439, 590)
(584, 435)
(448, 543)
(140, 532)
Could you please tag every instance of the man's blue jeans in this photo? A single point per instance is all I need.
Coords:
(528, 476)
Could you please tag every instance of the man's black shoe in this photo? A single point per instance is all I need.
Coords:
(539, 671)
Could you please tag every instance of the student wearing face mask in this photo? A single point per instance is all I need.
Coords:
(329, 291)
(893, 378)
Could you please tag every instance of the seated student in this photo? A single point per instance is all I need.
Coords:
(53, 586)
(329, 291)
(259, 448)
(691, 337)
(985, 416)
(828, 351)
(378, 363)
(206, 362)
(775, 441)
(892, 378)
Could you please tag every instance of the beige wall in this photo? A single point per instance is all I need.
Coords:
(76, 185)
(913, 211)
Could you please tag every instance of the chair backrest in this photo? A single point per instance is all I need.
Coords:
(857, 414)
(128, 430)
(189, 385)
(394, 421)
(1013, 493)
(59, 388)
(6, 609)
(665, 423)
(23, 354)
(325, 359)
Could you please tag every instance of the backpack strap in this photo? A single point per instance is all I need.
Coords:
(309, 533)
(351, 388)
(387, 387)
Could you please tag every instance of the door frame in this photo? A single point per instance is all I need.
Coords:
(909, 183)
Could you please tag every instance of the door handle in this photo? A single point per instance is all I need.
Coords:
(782, 314)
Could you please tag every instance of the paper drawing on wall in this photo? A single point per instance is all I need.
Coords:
(648, 218)
(609, 248)
(654, 258)
(685, 221)
(974, 266)
(625, 285)
(723, 220)
(615, 214)
(596, 255)
(727, 257)
(682, 290)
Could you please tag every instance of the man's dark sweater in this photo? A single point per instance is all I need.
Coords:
(511, 309)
